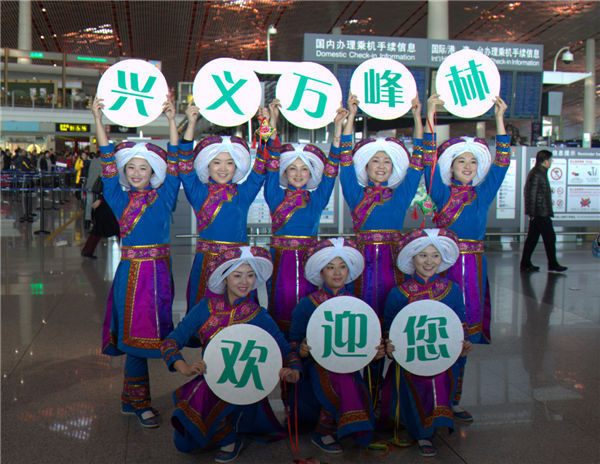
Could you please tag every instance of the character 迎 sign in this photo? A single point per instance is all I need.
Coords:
(133, 91)
(427, 336)
(468, 82)
(242, 364)
(343, 333)
(384, 87)
(226, 92)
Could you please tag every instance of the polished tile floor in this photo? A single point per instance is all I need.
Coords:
(534, 392)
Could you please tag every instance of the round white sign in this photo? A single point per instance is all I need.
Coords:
(384, 87)
(133, 91)
(468, 82)
(242, 364)
(427, 337)
(227, 92)
(343, 334)
(309, 94)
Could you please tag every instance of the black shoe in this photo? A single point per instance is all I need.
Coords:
(557, 268)
(87, 255)
(530, 268)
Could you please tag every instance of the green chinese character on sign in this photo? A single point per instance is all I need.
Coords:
(423, 338)
(348, 332)
(227, 93)
(133, 92)
(230, 357)
(383, 88)
(468, 84)
(301, 89)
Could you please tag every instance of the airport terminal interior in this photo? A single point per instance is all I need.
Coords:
(534, 391)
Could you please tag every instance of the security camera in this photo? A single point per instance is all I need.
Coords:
(567, 57)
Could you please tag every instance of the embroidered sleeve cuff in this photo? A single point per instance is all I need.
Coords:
(331, 168)
(107, 151)
(502, 150)
(260, 165)
(273, 164)
(170, 352)
(292, 360)
(185, 150)
(429, 149)
(346, 159)
(346, 145)
(416, 161)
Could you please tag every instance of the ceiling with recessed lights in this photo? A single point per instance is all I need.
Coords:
(186, 34)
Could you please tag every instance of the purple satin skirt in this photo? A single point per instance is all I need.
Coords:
(380, 274)
(138, 310)
(470, 273)
(288, 284)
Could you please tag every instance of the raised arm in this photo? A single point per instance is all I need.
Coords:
(418, 122)
(169, 110)
(352, 111)
(499, 110)
(101, 137)
(432, 103)
(192, 114)
(338, 125)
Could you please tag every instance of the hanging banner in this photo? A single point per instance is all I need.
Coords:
(343, 333)
(468, 82)
(309, 94)
(384, 87)
(133, 91)
(242, 364)
(227, 92)
(427, 336)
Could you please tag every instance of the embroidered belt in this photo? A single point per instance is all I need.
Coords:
(145, 252)
(378, 237)
(214, 247)
(286, 241)
(470, 246)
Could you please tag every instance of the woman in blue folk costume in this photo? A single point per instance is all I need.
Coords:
(298, 187)
(201, 418)
(140, 186)
(465, 182)
(422, 404)
(210, 174)
(379, 180)
(340, 403)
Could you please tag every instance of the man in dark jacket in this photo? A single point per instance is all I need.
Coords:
(538, 206)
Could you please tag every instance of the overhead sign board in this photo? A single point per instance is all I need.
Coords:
(413, 52)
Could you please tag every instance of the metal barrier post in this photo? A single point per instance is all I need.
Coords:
(42, 215)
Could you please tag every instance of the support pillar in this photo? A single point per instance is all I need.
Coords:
(24, 39)
(437, 28)
(589, 97)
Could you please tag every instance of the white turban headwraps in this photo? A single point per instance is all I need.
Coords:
(451, 149)
(364, 151)
(154, 155)
(412, 243)
(258, 258)
(311, 155)
(321, 254)
(210, 147)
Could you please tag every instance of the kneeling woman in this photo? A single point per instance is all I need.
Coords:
(340, 401)
(200, 417)
(423, 403)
